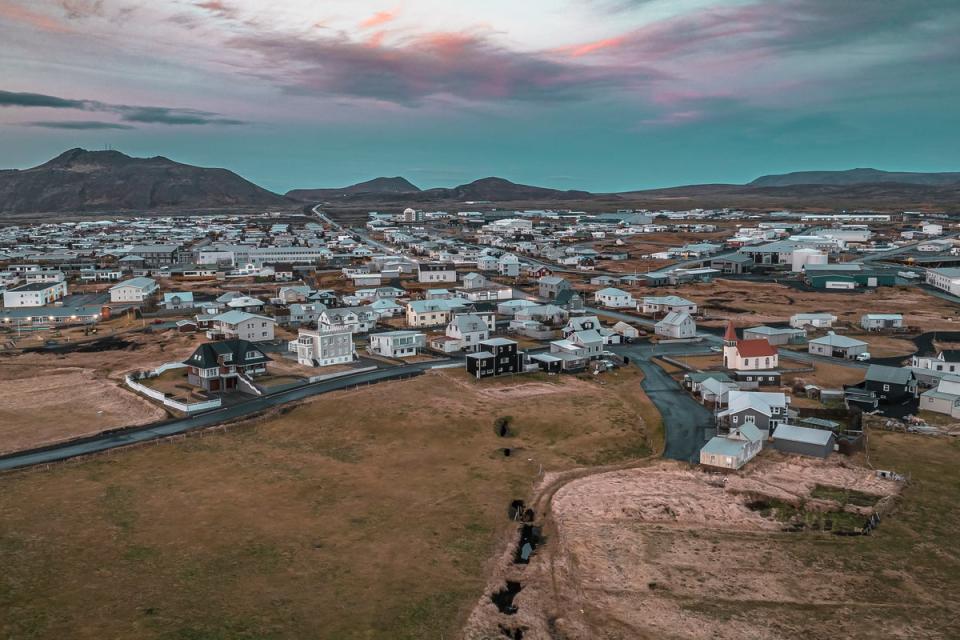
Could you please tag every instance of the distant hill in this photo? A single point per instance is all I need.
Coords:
(79, 180)
(857, 176)
(401, 190)
(377, 186)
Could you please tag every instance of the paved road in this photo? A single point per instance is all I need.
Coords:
(685, 421)
(146, 433)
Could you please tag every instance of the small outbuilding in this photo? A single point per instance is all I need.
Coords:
(804, 441)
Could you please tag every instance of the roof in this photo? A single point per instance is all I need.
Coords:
(883, 316)
(890, 375)
(806, 435)
(668, 300)
(760, 401)
(720, 446)
(611, 291)
(243, 353)
(497, 342)
(184, 296)
(772, 331)
(675, 318)
(140, 283)
(235, 316)
(755, 348)
(730, 335)
(813, 316)
(468, 322)
(751, 432)
(836, 340)
(36, 286)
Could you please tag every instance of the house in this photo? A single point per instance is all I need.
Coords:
(550, 286)
(775, 335)
(837, 346)
(764, 409)
(352, 319)
(468, 330)
(35, 294)
(474, 280)
(578, 349)
(293, 293)
(733, 450)
(882, 388)
(178, 300)
(546, 313)
(496, 357)
(614, 298)
(569, 300)
(432, 313)
(881, 321)
(241, 325)
(508, 265)
(386, 308)
(590, 323)
(804, 441)
(322, 348)
(133, 290)
(947, 361)
(397, 344)
(816, 320)
(667, 304)
(226, 365)
(748, 355)
(944, 398)
(676, 325)
(304, 313)
(436, 272)
(246, 303)
(716, 390)
(626, 330)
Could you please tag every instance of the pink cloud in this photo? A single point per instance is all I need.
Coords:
(596, 45)
(379, 18)
(17, 13)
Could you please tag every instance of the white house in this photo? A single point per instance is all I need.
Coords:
(668, 304)
(397, 344)
(352, 319)
(816, 320)
(947, 361)
(319, 348)
(614, 298)
(242, 325)
(735, 449)
(468, 329)
(880, 321)
(626, 330)
(133, 290)
(436, 272)
(35, 294)
(508, 265)
(178, 300)
(944, 398)
(676, 324)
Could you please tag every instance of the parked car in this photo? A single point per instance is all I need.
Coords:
(863, 357)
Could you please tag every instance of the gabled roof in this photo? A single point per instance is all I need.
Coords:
(675, 318)
(888, 375)
(836, 340)
(807, 435)
(242, 352)
(758, 348)
(469, 323)
(235, 316)
(140, 283)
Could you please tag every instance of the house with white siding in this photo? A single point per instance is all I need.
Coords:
(614, 298)
(133, 290)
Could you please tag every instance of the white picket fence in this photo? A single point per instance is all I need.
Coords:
(191, 407)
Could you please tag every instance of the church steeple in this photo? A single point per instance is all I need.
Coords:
(730, 337)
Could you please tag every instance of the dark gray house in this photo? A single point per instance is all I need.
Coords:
(882, 387)
(495, 357)
(804, 441)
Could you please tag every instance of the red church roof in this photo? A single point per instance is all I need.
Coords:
(731, 334)
(758, 348)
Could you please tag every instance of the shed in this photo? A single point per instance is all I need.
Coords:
(804, 441)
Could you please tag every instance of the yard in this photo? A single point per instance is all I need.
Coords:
(665, 552)
(368, 513)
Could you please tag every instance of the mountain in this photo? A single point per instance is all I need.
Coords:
(400, 190)
(857, 176)
(377, 186)
(80, 180)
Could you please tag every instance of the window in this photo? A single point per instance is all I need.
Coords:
(886, 387)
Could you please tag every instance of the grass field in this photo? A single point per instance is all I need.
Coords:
(367, 514)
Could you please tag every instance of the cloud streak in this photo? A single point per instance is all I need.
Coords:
(126, 113)
(78, 125)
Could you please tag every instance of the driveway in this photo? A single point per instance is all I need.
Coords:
(685, 421)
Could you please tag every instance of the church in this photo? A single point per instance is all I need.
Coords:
(751, 361)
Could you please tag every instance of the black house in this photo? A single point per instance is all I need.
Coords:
(882, 387)
(496, 357)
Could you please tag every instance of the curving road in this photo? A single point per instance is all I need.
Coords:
(135, 435)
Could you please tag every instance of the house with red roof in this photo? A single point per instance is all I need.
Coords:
(753, 362)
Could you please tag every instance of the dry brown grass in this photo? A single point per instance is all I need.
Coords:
(361, 514)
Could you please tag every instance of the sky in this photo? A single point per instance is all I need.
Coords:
(604, 95)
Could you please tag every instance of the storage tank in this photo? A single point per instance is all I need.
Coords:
(803, 257)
